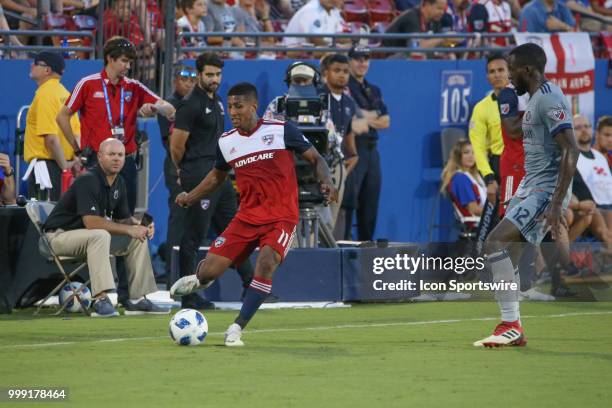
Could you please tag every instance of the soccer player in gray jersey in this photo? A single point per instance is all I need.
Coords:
(551, 154)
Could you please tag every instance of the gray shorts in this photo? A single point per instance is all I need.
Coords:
(525, 214)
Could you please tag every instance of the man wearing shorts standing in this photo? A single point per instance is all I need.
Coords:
(551, 154)
(261, 152)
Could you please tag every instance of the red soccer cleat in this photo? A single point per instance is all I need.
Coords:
(505, 334)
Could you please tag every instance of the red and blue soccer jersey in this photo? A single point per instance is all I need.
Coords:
(265, 170)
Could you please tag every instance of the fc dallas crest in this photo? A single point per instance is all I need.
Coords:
(267, 139)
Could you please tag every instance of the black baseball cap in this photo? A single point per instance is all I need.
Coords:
(359, 51)
(54, 60)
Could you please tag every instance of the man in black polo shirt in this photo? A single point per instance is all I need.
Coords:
(184, 81)
(193, 147)
(363, 185)
(93, 219)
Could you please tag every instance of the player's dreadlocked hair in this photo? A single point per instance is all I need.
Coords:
(245, 89)
(530, 54)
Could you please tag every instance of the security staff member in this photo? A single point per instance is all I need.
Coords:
(184, 81)
(193, 147)
(108, 103)
(363, 185)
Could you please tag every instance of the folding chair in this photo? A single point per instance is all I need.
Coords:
(468, 223)
(448, 138)
(38, 211)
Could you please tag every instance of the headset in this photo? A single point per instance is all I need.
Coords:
(316, 80)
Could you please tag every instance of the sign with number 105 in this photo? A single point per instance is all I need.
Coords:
(455, 97)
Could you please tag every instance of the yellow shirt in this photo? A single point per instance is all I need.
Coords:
(48, 100)
(485, 133)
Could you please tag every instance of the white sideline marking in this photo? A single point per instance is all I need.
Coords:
(316, 328)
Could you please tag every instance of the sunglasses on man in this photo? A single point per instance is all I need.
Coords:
(187, 74)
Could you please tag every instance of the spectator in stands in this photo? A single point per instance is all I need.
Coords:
(25, 9)
(579, 216)
(423, 19)
(225, 19)
(593, 172)
(402, 5)
(457, 15)
(589, 18)
(121, 19)
(315, 17)
(602, 7)
(93, 219)
(603, 137)
(280, 9)
(546, 16)
(462, 181)
(46, 147)
(5, 26)
(192, 22)
(592, 183)
(254, 16)
(491, 16)
(7, 180)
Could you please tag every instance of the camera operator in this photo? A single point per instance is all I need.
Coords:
(298, 74)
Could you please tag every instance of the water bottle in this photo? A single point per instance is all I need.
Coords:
(64, 44)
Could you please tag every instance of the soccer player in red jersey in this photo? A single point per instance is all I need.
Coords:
(261, 152)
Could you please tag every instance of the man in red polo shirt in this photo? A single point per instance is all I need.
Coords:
(108, 103)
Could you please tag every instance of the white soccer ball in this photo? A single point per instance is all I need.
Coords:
(70, 302)
(188, 327)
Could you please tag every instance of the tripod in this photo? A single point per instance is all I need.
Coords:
(311, 230)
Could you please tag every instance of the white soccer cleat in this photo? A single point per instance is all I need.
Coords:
(505, 334)
(533, 294)
(187, 285)
(233, 335)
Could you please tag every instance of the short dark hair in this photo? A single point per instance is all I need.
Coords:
(330, 59)
(208, 58)
(117, 47)
(530, 54)
(494, 57)
(429, 2)
(604, 121)
(245, 89)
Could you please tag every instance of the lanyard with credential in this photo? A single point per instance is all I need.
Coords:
(108, 109)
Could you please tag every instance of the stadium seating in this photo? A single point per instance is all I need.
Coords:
(381, 11)
(355, 11)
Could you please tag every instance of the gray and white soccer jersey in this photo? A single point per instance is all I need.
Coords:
(546, 114)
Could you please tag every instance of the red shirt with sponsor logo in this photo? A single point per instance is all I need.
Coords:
(264, 164)
(87, 98)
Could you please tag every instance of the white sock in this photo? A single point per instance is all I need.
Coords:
(509, 311)
(137, 300)
(502, 269)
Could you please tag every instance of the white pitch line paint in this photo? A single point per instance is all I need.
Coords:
(316, 328)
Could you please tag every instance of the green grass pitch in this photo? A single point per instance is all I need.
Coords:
(400, 355)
